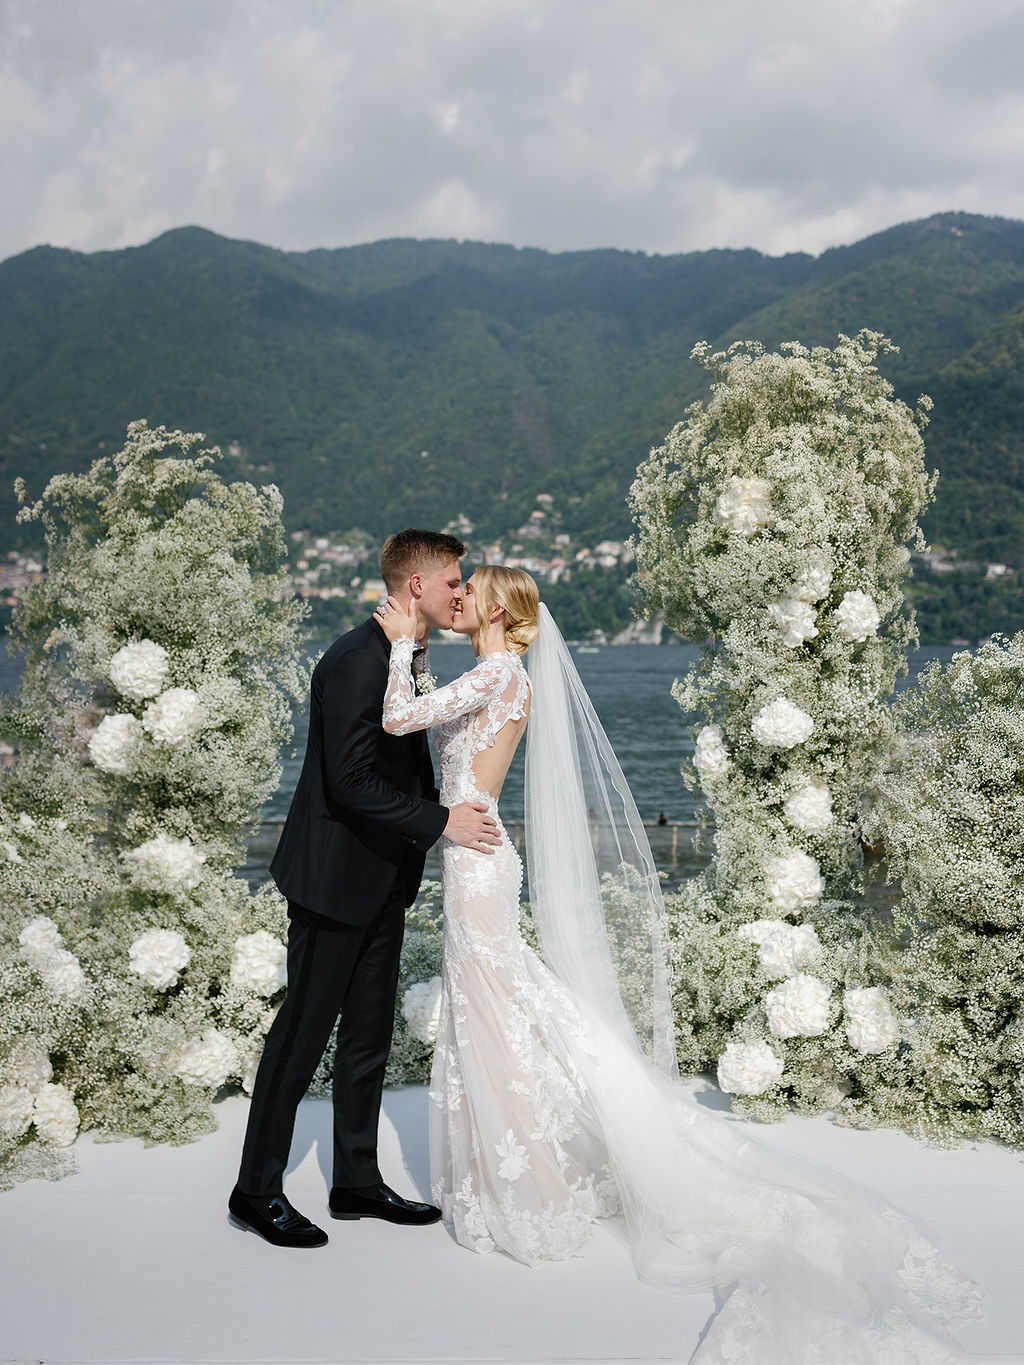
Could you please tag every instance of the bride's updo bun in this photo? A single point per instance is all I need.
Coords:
(496, 585)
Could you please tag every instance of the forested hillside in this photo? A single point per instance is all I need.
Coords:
(412, 381)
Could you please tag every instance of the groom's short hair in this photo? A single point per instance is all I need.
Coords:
(414, 551)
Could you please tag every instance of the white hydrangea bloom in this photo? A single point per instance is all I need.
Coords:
(749, 1069)
(16, 1106)
(140, 670)
(782, 725)
(39, 941)
(158, 956)
(62, 973)
(712, 757)
(759, 930)
(208, 1061)
(857, 616)
(258, 963)
(175, 717)
(421, 1009)
(794, 881)
(798, 1008)
(871, 1022)
(166, 864)
(815, 582)
(784, 949)
(744, 505)
(114, 746)
(809, 807)
(55, 1116)
(795, 618)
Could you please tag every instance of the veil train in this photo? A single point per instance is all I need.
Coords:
(808, 1268)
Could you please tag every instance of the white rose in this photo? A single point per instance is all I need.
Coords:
(784, 949)
(258, 963)
(25, 821)
(208, 1061)
(815, 582)
(781, 725)
(871, 1022)
(11, 852)
(158, 956)
(28, 1064)
(744, 505)
(421, 1009)
(798, 1008)
(857, 616)
(55, 1116)
(174, 717)
(809, 808)
(749, 1069)
(795, 619)
(139, 670)
(794, 881)
(166, 864)
(62, 973)
(114, 746)
(40, 940)
(16, 1102)
(712, 757)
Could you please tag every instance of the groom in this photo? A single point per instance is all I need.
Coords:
(350, 860)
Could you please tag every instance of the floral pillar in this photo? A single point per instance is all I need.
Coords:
(774, 525)
(138, 973)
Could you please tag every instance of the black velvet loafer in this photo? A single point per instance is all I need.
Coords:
(378, 1201)
(274, 1219)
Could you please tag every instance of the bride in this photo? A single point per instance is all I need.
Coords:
(554, 1095)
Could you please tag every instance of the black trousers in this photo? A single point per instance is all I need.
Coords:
(333, 969)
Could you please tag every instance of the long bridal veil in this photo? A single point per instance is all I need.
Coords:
(807, 1267)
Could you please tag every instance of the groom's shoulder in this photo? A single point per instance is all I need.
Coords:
(363, 639)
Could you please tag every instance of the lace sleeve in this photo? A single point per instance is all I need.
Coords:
(404, 712)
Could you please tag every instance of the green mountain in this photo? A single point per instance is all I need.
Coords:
(517, 372)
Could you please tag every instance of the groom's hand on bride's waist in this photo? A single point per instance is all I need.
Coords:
(472, 826)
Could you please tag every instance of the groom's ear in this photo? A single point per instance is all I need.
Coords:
(416, 584)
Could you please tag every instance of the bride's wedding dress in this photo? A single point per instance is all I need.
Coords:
(553, 1099)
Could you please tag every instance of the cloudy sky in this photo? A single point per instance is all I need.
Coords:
(655, 125)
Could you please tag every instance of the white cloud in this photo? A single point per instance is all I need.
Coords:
(648, 124)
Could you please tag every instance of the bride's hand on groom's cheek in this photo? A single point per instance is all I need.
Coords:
(394, 620)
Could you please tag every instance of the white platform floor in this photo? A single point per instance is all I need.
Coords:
(133, 1260)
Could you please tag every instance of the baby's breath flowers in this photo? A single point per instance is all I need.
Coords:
(949, 811)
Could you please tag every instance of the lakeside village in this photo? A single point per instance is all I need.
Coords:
(586, 585)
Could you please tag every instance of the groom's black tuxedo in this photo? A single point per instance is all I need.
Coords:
(349, 861)
(365, 808)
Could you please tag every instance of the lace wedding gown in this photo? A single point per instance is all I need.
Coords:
(545, 1118)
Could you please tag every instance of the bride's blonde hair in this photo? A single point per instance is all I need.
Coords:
(496, 585)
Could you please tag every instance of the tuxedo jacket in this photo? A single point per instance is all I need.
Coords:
(365, 810)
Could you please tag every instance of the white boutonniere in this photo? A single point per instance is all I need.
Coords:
(423, 680)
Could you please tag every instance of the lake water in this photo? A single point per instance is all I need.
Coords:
(630, 686)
